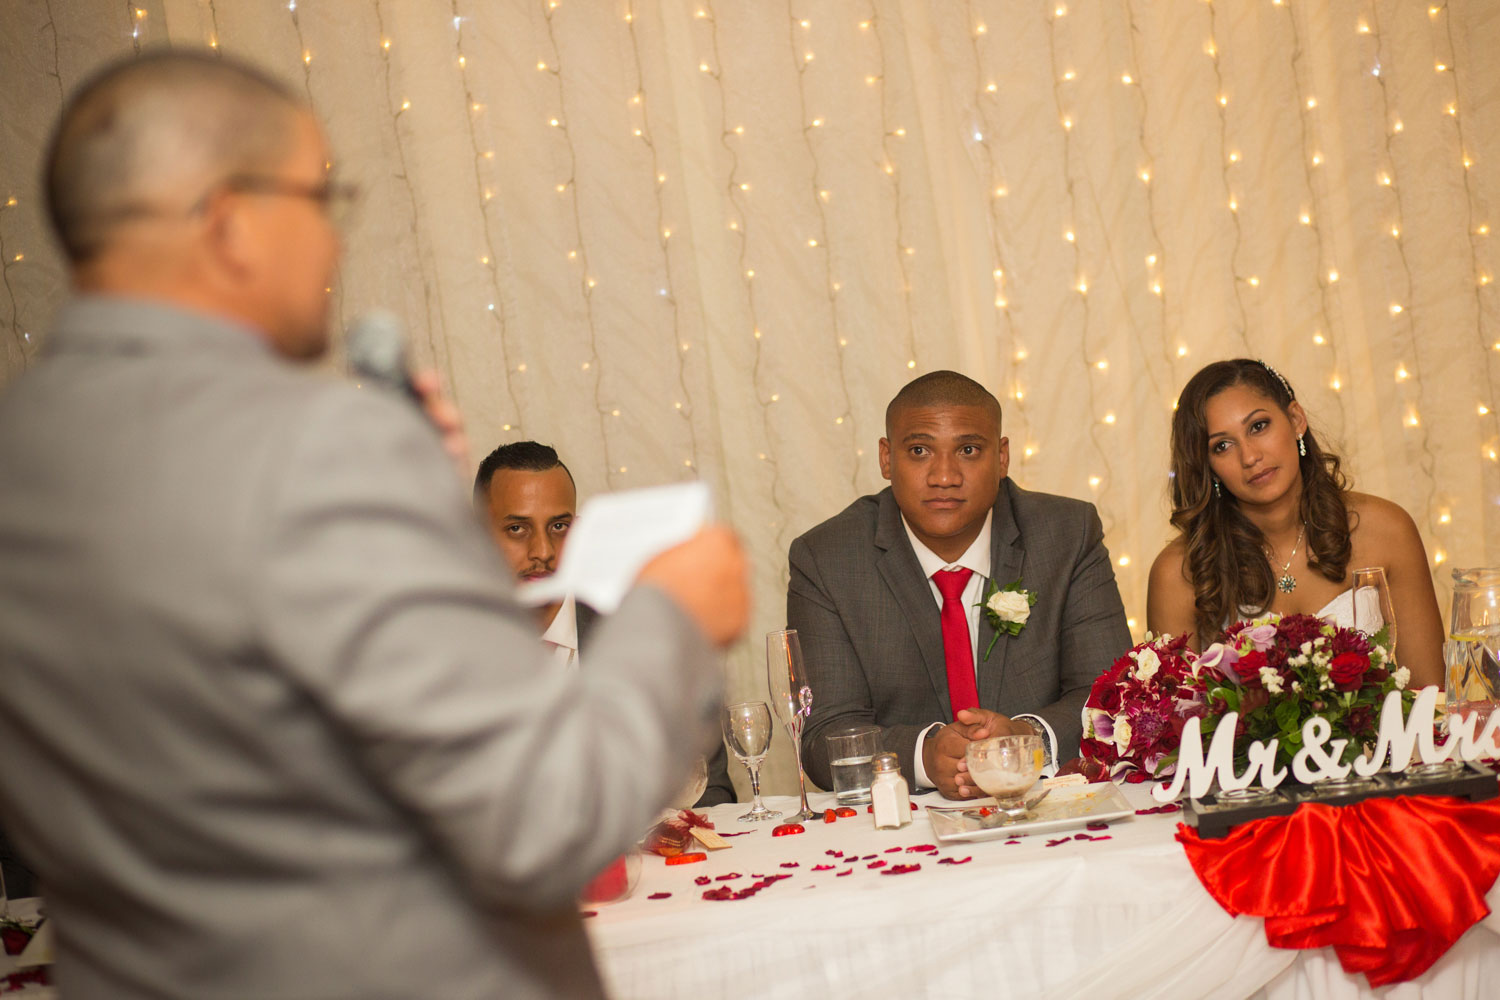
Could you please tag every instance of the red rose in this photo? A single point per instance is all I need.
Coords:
(15, 940)
(1105, 693)
(1347, 670)
(1248, 669)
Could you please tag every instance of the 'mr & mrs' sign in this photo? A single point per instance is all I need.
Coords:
(1319, 758)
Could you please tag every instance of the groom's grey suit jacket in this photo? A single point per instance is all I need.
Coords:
(872, 635)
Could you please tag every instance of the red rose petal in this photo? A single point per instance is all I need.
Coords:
(702, 880)
(913, 806)
(867, 857)
(955, 861)
(742, 833)
(729, 877)
(659, 895)
(892, 850)
(902, 869)
(822, 868)
(921, 848)
(875, 864)
(1097, 825)
(841, 874)
(791, 864)
(834, 854)
(1012, 841)
(1107, 836)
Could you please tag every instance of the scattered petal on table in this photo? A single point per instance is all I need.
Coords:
(659, 895)
(921, 848)
(822, 868)
(730, 876)
(892, 850)
(955, 861)
(841, 874)
(902, 869)
(875, 864)
(791, 864)
(1097, 825)
(702, 880)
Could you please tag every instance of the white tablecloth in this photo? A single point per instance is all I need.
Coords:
(1124, 917)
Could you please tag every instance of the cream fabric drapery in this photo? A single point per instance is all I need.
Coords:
(693, 238)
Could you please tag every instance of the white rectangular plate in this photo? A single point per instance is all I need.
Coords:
(1063, 809)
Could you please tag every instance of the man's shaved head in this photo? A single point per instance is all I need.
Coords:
(942, 388)
(152, 134)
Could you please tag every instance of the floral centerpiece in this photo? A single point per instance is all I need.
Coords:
(1132, 722)
(1277, 672)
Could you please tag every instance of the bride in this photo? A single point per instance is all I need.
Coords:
(1267, 522)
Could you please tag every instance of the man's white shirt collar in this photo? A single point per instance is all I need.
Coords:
(563, 633)
(976, 557)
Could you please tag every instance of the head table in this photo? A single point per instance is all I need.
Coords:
(1119, 915)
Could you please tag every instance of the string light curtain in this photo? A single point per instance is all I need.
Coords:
(711, 239)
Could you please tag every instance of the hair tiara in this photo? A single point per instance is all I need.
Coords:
(1279, 377)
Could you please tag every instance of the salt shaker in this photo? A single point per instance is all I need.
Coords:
(889, 797)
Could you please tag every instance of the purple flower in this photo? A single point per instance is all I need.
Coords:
(1261, 636)
(1104, 725)
(1221, 659)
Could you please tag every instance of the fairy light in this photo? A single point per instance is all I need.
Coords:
(1127, 79)
(1402, 374)
(1483, 410)
(1319, 339)
(1102, 364)
(1444, 517)
(1333, 277)
(1439, 557)
(1305, 218)
(1094, 482)
(1335, 384)
(1109, 418)
(1123, 560)
(1395, 309)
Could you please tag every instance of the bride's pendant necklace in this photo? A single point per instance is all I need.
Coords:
(1287, 582)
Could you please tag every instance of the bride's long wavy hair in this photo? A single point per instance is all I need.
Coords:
(1225, 555)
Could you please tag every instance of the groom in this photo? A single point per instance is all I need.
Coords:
(885, 597)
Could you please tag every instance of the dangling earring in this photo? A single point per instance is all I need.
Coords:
(1301, 446)
(1217, 493)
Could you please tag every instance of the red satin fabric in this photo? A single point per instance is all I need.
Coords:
(958, 651)
(1390, 884)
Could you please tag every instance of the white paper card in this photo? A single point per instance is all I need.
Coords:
(614, 535)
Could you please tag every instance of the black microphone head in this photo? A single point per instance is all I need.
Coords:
(376, 350)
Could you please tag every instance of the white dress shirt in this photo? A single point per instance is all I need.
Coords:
(976, 558)
(562, 635)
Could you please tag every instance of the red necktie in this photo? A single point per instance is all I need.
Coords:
(958, 652)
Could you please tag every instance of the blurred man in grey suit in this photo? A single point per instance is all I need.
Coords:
(526, 495)
(886, 595)
(272, 724)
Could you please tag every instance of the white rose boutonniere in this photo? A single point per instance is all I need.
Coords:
(1007, 608)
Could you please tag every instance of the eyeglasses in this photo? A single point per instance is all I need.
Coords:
(336, 199)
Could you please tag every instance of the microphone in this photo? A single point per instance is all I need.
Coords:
(376, 350)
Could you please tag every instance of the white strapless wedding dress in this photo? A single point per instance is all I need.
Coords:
(1341, 610)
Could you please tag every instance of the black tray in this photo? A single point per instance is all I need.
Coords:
(1216, 815)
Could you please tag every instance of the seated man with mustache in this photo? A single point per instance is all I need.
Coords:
(527, 498)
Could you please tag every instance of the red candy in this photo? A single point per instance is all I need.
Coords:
(788, 829)
(829, 815)
(844, 812)
(687, 859)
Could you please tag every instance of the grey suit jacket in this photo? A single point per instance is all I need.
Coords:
(720, 788)
(272, 725)
(872, 636)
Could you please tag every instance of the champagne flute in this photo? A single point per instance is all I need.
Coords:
(1372, 604)
(791, 696)
(747, 732)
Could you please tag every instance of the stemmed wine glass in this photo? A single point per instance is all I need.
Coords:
(791, 696)
(747, 732)
(1372, 604)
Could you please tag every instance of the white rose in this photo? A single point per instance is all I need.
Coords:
(1010, 606)
(1147, 663)
(1122, 732)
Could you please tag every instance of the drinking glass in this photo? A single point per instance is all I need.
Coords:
(693, 787)
(1372, 604)
(747, 732)
(1006, 767)
(1471, 655)
(851, 759)
(791, 696)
